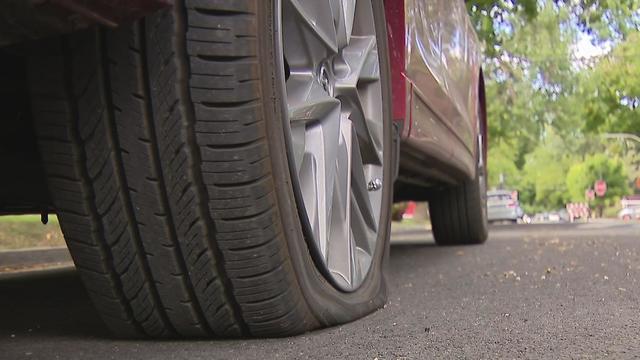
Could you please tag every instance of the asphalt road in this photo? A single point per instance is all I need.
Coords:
(532, 291)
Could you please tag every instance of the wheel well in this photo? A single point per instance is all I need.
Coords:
(483, 113)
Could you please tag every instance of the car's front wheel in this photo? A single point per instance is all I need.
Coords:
(223, 168)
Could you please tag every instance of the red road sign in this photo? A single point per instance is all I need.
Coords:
(600, 187)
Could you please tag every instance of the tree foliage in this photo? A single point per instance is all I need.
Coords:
(582, 176)
(547, 108)
(503, 167)
(612, 90)
(543, 182)
(604, 19)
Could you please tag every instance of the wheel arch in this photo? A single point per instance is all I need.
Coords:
(482, 112)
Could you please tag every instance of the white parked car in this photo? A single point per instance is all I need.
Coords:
(630, 208)
(503, 206)
(629, 213)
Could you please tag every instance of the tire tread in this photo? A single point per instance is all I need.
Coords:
(156, 152)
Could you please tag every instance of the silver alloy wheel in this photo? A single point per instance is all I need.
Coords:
(335, 127)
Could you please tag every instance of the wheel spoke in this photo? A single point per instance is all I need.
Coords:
(344, 14)
(307, 100)
(360, 189)
(370, 70)
(363, 263)
(359, 63)
(309, 187)
(318, 170)
(363, 235)
(359, 68)
(368, 136)
(298, 143)
(340, 253)
(318, 17)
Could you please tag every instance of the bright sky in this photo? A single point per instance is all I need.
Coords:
(584, 49)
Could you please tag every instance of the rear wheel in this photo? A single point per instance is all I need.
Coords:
(459, 213)
(222, 168)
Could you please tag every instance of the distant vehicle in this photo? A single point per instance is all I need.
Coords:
(629, 213)
(564, 215)
(554, 217)
(540, 218)
(503, 206)
(551, 217)
(630, 208)
(630, 201)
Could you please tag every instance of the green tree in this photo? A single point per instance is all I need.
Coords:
(612, 90)
(502, 167)
(583, 175)
(531, 78)
(544, 185)
(605, 19)
(546, 108)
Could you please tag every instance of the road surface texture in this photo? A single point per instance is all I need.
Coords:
(533, 291)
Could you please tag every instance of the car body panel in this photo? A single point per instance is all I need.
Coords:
(394, 13)
(443, 62)
(437, 63)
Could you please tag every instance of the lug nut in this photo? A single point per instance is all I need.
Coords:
(324, 79)
(375, 184)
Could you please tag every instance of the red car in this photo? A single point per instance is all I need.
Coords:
(227, 167)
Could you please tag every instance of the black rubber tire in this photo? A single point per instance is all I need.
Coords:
(458, 214)
(163, 143)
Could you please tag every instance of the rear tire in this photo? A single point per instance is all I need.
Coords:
(459, 213)
(165, 153)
